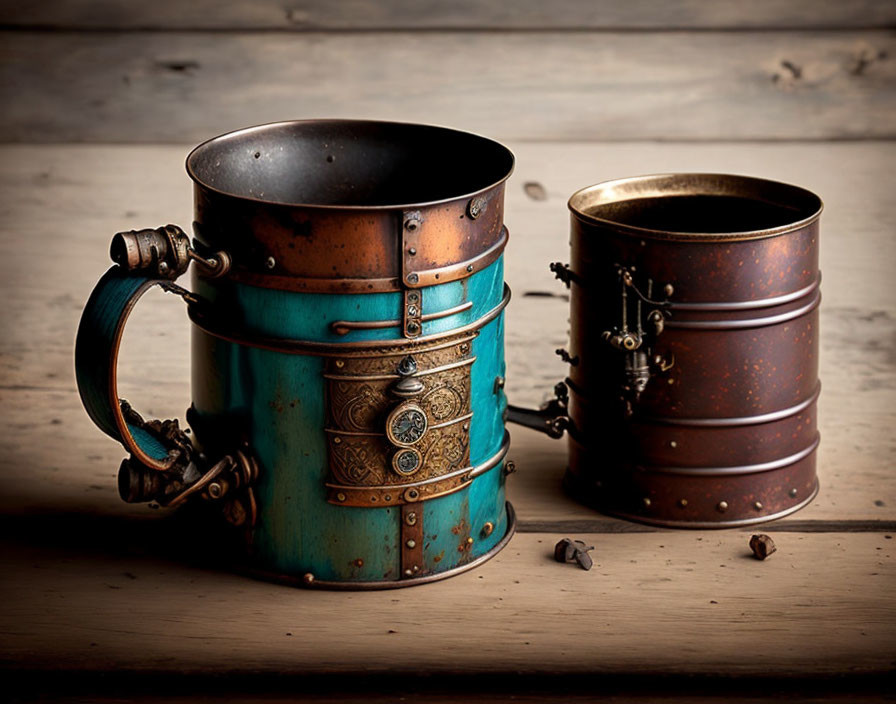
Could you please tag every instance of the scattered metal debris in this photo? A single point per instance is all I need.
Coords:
(568, 550)
(762, 546)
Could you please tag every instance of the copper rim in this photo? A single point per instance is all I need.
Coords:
(291, 581)
(808, 206)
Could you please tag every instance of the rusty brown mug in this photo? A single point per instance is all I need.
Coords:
(693, 379)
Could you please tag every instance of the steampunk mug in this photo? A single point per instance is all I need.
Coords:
(348, 362)
(691, 397)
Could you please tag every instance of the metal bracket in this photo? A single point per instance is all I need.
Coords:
(551, 419)
(164, 252)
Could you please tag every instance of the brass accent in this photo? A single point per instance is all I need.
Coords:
(163, 252)
(683, 503)
(487, 528)
(406, 425)
(343, 327)
(757, 505)
(407, 461)
(477, 206)
(411, 529)
(673, 444)
(646, 502)
(308, 578)
(453, 272)
(410, 518)
(509, 467)
(722, 506)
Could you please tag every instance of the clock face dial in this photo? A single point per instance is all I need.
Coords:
(407, 461)
(406, 425)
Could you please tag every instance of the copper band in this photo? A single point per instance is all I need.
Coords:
(343, 327)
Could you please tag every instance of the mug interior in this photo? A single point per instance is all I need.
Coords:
(696, 204)
(349, 163)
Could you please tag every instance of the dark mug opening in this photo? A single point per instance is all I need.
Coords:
(349, 163)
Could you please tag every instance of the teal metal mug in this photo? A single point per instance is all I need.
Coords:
(348, 362)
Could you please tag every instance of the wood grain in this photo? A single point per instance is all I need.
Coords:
(61, 204)
(298, 15)
(184, 87)
(654, 603)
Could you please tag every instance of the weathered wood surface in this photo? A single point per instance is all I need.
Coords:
(184, 87)
(654, 603)
(61, 204)
(297, 15)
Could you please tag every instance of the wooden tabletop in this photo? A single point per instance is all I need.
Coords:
(92, 585)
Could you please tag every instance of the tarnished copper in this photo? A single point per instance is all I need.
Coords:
(271, 213)
(694, 321)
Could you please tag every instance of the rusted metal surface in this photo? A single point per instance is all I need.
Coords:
(325, 220)
(694, 319)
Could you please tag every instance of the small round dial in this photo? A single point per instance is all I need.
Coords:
(406, 425)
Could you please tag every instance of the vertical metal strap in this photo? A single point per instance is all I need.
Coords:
(411, 540)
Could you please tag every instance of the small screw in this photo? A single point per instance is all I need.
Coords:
(340, 496)
(477, 207)
(340, 364)
(270, 262)
(509, 467)
(164, 268)
(412, 251)
(411, 544)
(762, 546)
(758, 505)
(413, 278)
(412, 297)
(683, 503)
(673, 444)
(465, 427)
(308, 578)
(412, 494)
(793, 493)
(412, 310)
(337, 441)
(499, 384)
(487, 529)
(646, 501)
(411, 518)
(464, 347)
(413, 327)
(722, 506)
(668, 289)
(215, 490)
(359, 562)
(412, 223)
(469, 267)
(408, 573)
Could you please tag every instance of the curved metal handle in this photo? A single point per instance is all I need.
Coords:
(163, 466)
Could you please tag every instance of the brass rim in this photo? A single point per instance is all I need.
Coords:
(809, 205)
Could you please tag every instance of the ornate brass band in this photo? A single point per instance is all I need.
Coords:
(398, 423)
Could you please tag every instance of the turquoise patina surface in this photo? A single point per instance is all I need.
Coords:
(278, 400)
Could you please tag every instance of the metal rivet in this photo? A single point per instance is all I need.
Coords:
(412, 251)
(722, 506)
(340, 364)
(308, 578)
(683, 502)
(509, 467)
(411, 518)
(476, 207)
(464, 347)
(487, 528)
(669, 289)
(671, 381)
(412, 297)
(270, 262)
(411, 544)
(411, 224)
(359, 562)
(413, 327)
(412, 310)
(164, 268)
(646, 501)
(340, 496)
(387, 497)
(499, 384)
(793, 493)
(214, 490)
(465, 427)
(337, 441)
(415, 569)
(373, 499)
(673, 444)
(408, 573)
(757, 505)
(469, 541)
(469, 267)
(412, 494)
(413, 278)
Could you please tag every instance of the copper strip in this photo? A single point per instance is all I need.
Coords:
(329, 349)
(461, 270)
(744, 420)
(743, 324)
(411, 535)
(362, 433)
(749, 305)
(386, 377)
(343, 327)
(737, 469)
(393, 583)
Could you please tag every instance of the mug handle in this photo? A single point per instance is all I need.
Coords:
(163, 465)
